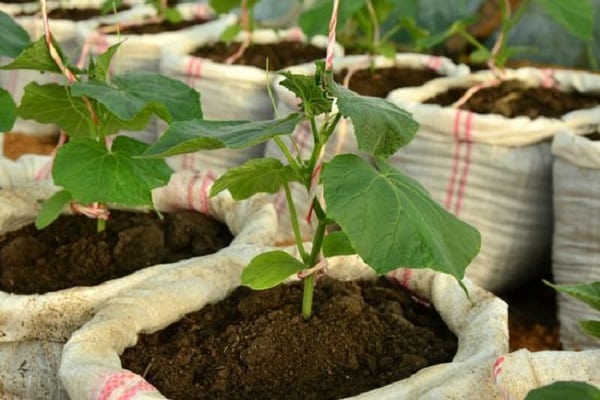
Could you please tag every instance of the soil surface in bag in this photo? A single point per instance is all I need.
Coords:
(154, 26)
(75, 13)
(379, 82)
(256, 344)
(15, 145)
(512, 98)
(69, 252)
(278, 55)
(532, 317)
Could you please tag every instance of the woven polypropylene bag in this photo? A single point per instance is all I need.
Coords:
(576, 239)
(91, 369)
(229, 91)
(32, 323)
(517, 373)
(343, 141)
(494, 172)
(141, 52)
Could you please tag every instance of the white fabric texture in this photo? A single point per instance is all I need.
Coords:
(229, 92)
(90, 365)
(343, 141)
(519, 372)
(576, 240)
(494, 172)
(29, 371)
(26, 170)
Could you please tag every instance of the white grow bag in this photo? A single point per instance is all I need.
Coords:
(517, 373)
(494, 172)
(35, 326)
(229, 91)
(576, 244)
(141, 52)
(343, 141)
(91, 369)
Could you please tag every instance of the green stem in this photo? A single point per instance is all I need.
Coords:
(307, 295)
(309, 281)
(288, 156)
(294, 220)
(100, 225)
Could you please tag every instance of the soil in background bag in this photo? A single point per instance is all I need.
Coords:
(256, 344)
(512, 98)
(70, 252)
(379, 82)
(278, 55)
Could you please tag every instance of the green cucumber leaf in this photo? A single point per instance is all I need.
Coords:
(189, 136)
(565, 390)
(380, 127)
(270, 269)
(92, 173)
(14, 38)
(9, 111)
(337, 244)
(259, 175)
(52, 208)
(391, 221)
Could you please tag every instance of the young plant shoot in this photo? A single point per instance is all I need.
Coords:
(246, 23)
(384, 216)
(94, 168)
(576, 16)
(361, 24)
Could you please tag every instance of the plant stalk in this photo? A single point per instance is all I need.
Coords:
(309, 281)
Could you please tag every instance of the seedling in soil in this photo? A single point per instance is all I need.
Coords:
(575, 16)
(361, 24)
(96, 168)
(246, 24)
(383, 215)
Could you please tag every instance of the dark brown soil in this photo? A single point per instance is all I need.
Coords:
(532, 317)
(256, 345)
(512, 98)
(76, 14)
(161, 26)
(280, 55)
(70, 253)
(379, 82)
(15, 145)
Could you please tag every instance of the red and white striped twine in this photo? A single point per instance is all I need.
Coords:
(331, 40)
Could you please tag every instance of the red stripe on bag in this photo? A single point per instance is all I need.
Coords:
(138, 388)
(118, 380)
(548, 79)
(202, 10)
(13, 77)
(194, 70)
(207, 182)
(296, 35)
(467, 162)
(455, 160)
(498, 367)
(434, 63)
